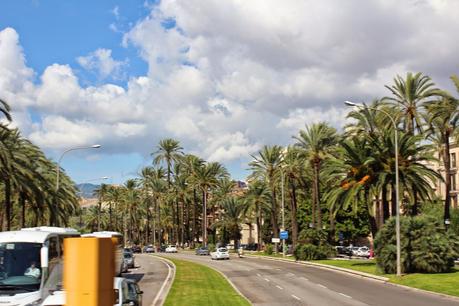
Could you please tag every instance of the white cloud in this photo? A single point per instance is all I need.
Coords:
(233, 75)
(101, 62)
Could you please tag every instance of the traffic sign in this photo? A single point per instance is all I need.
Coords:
(284, 235)
(274, 240)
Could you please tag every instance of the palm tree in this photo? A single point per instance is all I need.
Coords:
(409, 94)
(100, 192)
(317, 140)
(231, 218)
(5, 110)
(443, 121)
(257, 202)
(169, 151)
(267, 167)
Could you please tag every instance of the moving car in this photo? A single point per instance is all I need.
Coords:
(149, 249)
(220, 253)
(136, 249)
(202, 251)
(129, 260)
(171, 249)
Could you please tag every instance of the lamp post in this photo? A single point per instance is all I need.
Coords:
(58, 167)
(283, 211)
(397, 213)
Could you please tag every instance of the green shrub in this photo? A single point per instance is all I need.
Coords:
(313, 252)
(211, 247)
(268, 249)
(425, 246)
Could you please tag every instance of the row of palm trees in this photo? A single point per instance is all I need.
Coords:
(326, 179)
(27, 182)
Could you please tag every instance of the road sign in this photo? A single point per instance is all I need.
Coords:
(274, 240)
(284, 235)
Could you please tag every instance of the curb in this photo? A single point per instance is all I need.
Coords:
(167, 284)
(357, 273)
(232, 285)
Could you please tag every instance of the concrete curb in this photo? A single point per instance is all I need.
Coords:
(357, 273)
(164, 291)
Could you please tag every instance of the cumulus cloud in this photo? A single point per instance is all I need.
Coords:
(102, 63)
(226, 77)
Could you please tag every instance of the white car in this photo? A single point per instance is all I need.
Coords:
(220, 253)
(127, 292)
(171, 249)
(363, 252)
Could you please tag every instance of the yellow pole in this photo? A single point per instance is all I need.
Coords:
(89, 272)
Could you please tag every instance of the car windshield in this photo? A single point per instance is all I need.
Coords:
(223, 250)
(127, 255)
(20, 266)
(172, 246)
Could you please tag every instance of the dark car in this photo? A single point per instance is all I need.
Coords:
(129, 260)
(202, 251)
(136, 249)
(344, 251)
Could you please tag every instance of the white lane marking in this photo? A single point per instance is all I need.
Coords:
(291, 274)
(266, 279)
(249, 269)
(322, 286)
(295, 297)
(279, 287)
(345, 295)
(169, 272)
(258, 274)
(278, 269)
(304, 278)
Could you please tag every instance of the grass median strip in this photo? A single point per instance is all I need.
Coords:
(196, 284)
(446, 283)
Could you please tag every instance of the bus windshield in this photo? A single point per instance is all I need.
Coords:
(20, 266)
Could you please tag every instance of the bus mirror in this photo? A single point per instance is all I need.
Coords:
(44, 257)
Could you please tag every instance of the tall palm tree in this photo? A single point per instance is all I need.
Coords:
(443, 122)
(267, 167)
(257, 202)
(101, 193)
(231, 218)
(169, 151)
(317, 140)
(409, 94)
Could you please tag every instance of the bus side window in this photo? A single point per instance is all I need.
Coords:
(53, 253)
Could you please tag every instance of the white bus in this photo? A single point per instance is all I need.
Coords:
(119, 247)
(31, 263)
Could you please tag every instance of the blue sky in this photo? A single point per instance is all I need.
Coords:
(222, 77)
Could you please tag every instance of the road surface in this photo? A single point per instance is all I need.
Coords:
(267, 282)
(150, 272)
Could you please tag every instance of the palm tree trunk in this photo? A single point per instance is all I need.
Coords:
(371, 219)
(385, 204)
(393, 207)
(99, 211)
(293, 209)
(259, 216)
(22, 202)
(8, 204)
(204, 218)
(110, 227)
(317, 192)
(447, 165)
(195, 217)
(274, 214)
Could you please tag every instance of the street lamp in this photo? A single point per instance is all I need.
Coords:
(58, 167)
(283, 211)
(397, 213)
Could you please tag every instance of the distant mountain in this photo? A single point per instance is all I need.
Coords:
(86, 190)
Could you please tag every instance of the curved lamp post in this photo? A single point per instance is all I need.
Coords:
(397, 213)
(58, 167)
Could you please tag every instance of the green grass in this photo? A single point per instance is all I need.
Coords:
(195, 284)
(447, 283)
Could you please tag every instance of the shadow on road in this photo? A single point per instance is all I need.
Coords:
(135, 276)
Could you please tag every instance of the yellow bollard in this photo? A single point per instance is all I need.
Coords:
(89, 272)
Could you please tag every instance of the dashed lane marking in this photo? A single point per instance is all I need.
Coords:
(322, 286)
(267, 280)
(295, 297)
(345, 295)
(279, 287)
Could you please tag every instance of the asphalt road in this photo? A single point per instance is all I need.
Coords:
(150, 272)
(267, 282)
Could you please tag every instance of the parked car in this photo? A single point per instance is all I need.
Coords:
(220, 253)
(202, 251)
(171, 249)
(149, 249)
(136, 249)
(127, 292)
(128, 250)
(129, 260)
(134, 294)
(363, 252)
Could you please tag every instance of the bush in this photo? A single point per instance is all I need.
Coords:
(313, 252)
(425, 246)
(268, 249)
(211, 247)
